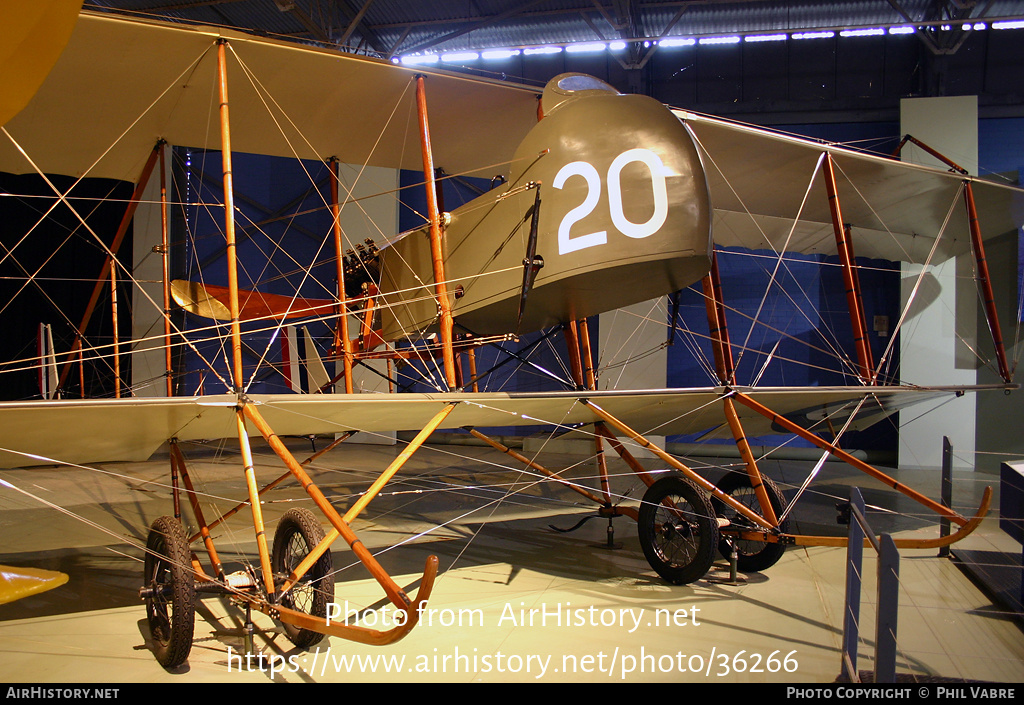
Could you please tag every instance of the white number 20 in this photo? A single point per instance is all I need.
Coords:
(567, 243)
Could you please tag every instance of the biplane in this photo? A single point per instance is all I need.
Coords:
(602, 200)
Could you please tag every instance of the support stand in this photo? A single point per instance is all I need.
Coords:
(248, 632)
(609, 543)
(734, 570)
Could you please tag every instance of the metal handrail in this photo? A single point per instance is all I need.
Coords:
(888, 596)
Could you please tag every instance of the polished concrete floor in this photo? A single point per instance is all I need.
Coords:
(514, 601)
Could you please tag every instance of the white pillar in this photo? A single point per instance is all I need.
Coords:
(632, 353)
(943, 319)
(148, 361)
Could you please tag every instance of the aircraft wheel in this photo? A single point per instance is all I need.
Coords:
(171, 594)
(298, 532)
(753, 556)
(678, 531)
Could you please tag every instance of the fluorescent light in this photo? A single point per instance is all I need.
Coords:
(720, 40)
(420, 59)
(586, 48)
(870, 32)
(542, 50)
(902, 30)
(1013, 24)
(460, 56)
(499, 53)
(766, 37)
(617, 46)
(813, 35)
(980, 25)
(677, 42)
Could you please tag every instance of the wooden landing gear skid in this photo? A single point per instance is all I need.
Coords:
(294, 580)
(683, 518)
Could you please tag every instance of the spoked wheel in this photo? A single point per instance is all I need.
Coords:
(170, 592)
(678, 530)
(298, 532)
(753, 555)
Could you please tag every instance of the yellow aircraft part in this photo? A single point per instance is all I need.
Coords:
(32, 37)
(194, 298)
(16, 583)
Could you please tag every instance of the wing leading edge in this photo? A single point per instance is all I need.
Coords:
(89, 431)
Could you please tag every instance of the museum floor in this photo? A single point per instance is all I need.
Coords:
(514, 601)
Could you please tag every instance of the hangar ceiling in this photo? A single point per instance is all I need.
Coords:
(394, 27)
(766, 61)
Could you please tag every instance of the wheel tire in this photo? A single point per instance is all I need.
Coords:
(680, 549)
(170, 607)
(753, 556)
(298, 532)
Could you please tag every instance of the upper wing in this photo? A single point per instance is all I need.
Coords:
(128, 83)
(759, 180)
(84, 431)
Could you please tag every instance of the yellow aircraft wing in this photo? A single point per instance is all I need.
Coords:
(17, 583)
(32, 37)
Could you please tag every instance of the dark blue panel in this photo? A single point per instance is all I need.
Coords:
(285, 245)
(48, 269)
(1011, 500)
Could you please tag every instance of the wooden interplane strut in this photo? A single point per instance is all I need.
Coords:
(436, 243)
(854, 300)
(344, 345)
(978, 248)
(231, 248)
(726, 368)
(165, 264)
(984, 280)
(714, 306)
(116, 336)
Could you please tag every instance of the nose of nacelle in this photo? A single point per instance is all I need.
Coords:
(624, 216)
(623, 190)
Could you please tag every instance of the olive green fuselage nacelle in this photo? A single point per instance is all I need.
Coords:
(624, 217)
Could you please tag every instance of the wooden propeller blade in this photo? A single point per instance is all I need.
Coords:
(210, 301)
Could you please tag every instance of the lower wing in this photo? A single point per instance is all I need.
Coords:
(89, 431)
